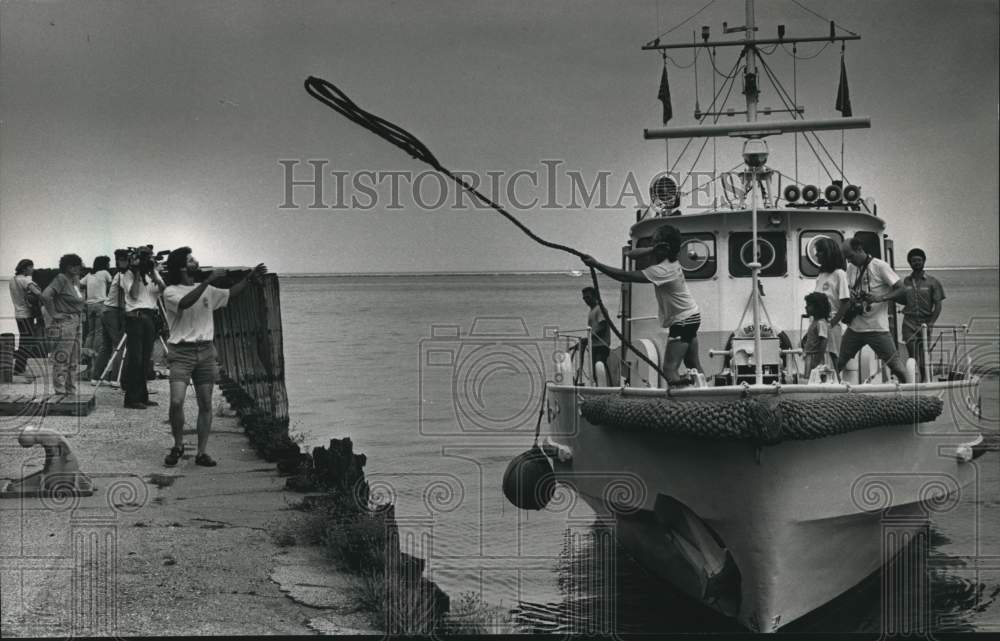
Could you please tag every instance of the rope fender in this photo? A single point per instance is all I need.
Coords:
(754, 420)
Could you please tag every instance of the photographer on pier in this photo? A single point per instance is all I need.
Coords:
(141, 284)
(189, 309)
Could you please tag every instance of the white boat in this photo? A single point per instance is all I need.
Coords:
(758, 492)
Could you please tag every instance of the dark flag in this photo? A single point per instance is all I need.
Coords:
(664, 96)
(843, 94)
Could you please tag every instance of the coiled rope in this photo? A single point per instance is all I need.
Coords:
(757, 421)
(331, 96)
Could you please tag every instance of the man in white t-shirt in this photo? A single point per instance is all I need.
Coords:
(872, 282)
(189, 309)
(677, 310)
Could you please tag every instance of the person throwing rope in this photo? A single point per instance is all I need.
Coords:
(189, 309)
(677, 310)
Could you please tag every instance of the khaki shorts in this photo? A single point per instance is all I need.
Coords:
(195, 362)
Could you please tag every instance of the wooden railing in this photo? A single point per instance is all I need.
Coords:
(248, 340)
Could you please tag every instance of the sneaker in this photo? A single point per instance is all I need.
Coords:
(93, 382)
(113, 384)
(204, 460)
(175, 455)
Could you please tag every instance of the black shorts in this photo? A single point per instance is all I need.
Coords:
(685, 330)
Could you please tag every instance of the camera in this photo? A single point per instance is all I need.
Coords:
(143, 257)
(489, 380)
(856, 307)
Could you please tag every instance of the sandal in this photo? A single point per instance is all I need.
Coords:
(204, 460)
(175, 455)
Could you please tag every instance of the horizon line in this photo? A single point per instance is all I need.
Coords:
(567, 272)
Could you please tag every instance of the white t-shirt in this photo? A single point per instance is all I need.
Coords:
(196, 323)
(835, 286)
(96, 285)
(147, 292)
(114, 291)
(18, 287)
(673, 299)
(877, 279)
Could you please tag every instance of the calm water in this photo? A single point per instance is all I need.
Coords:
(409, 368)
(435, 379)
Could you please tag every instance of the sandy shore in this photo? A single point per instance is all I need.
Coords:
(192, 558)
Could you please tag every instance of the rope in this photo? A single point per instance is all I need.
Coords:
(331, 96)
(757, 421)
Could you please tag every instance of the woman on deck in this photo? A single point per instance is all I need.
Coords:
(832, 281)
(677, 310)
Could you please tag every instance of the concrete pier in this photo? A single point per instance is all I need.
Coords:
(155, 550)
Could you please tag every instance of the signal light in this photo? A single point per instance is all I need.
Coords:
(810, 193)
(852, 193)
(792, 193)
(833, 193)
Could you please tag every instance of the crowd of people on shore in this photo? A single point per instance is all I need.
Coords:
(115, 316)
(853, 288)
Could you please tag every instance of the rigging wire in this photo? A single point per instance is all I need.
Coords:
(810, 57)
(681, 24)
(732, 83)
(823, 18)
(715, 148)
(782, 94)
(331, 96)
(678, 65)
(795, 99)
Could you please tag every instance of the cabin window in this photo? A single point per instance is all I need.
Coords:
(871, 243)
(771, 251)
(697, 255)
(808, 265)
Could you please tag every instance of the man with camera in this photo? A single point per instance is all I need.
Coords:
(189, 309)
(872, 282)
(141, 284)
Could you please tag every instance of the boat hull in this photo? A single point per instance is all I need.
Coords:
(763, 534)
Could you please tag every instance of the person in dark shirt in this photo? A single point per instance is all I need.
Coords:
(922, 295)
(600, 334)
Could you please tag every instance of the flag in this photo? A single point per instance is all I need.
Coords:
(843, 94)
(664, 96)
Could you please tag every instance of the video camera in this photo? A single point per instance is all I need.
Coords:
(144, 258)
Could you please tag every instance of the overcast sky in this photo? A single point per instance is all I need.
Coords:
(164, 122)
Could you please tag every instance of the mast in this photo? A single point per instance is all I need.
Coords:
(750, 89)
(750, 74)
(755, 150)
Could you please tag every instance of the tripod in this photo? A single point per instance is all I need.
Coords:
(123, 349)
